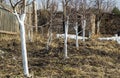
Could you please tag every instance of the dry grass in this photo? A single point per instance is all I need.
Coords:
(93, 59)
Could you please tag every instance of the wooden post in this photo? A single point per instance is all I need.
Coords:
(35, 15)
(92, 27)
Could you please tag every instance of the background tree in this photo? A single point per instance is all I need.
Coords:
(82, 11)
(76, 3)
(116, 10)
(74, 13)
(53, 6)
(64, 6)
(65, 24)
(100, 7)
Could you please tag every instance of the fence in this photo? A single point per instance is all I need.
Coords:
(8, 23)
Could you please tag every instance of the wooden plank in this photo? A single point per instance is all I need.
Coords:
(7, 32)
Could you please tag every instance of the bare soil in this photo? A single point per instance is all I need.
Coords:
(93, 59)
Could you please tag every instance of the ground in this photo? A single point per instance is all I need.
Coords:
(93, 59)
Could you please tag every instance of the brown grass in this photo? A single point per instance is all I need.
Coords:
(93, 59)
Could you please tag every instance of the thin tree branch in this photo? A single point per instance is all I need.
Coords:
(11, 4)
(4, 8)
(17, 3)
(14, 6)
(29, 3)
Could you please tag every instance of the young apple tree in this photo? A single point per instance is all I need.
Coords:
(84, 18)
(64, 6)
(76, 4)
(65, 37)
(65, 24)
(21, 14)
(53, 6)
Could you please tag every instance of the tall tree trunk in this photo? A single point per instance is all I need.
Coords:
(84, 26)
(64, 15)
(76, 28)
(23, 46)
(65, 38)
(21, 20)
(84, 18)
(98, 27)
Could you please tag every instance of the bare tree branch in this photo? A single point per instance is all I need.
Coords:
(11, 4)
(5, 8)
(27, 4)
(14, 5)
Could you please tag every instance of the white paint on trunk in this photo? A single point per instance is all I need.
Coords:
(98, 27)
(24, 51)
(84, 26)
(76, 28)
(65, 38)
(21, 20)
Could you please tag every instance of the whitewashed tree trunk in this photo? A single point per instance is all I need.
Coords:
(76, 28)
(21, 20)
(117, 38)
(98, 27)
(24, 51)
(65, 38)
(84, 26)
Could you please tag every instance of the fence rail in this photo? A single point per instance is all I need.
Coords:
(7, 32)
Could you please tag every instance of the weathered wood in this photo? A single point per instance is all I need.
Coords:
(92, 22)
(8, 23)
(7, 32)
(35, 15)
